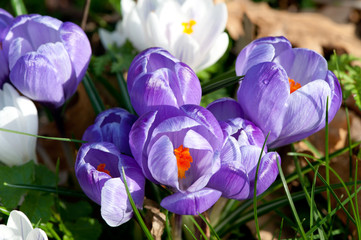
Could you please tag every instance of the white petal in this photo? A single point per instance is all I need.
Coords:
(37, 234)
(135, 31)
(19, 222)
(185, 49)
(215, 53)
(7, 233)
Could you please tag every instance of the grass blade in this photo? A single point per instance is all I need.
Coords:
(19, 7)
(190, 232)
(213, 86)
(198, 227)
(210, 227)
(136, 212)
(93, 95)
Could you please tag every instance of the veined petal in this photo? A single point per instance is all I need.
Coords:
(265, 89)
(191, 203)
(78, 47)
(18, 48)
(225, 108)
(115, 206)
(135, 31)
(20, 223)
(185, 49)
(9, 233)
(35, 77)
(156, 32)
(260, 50)
(335, 100)
(215, 52)
(303, 65)
(162, 154)
(305, 112)
(37, 234)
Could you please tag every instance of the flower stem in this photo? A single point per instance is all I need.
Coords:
(177, 227)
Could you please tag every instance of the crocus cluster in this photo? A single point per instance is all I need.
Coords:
(44, 58)
(192, 31)
(200, 154)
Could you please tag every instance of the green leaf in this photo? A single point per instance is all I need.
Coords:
(84, 229)
(37, 206)
(73, 211)
(10, 197)
(44, 177)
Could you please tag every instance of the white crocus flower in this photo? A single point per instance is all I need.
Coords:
(19, 114)
(109, 38)
(19, 228)
(193, 31)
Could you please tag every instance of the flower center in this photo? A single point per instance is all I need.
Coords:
(188, 26)
(184, 160)
(101, 168)
(293, 85)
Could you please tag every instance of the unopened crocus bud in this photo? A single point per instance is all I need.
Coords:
(157, 78)
(47, 58)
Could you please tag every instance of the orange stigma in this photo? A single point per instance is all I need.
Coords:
(184, 160)
(101, 168)
(188, 26)
(293, 85)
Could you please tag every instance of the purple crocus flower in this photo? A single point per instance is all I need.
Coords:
(47, 58)
(179, 148)
(240, 155)
(285, 89)
(112, 125)
(157, 78)
(5, 20)
(98, 168)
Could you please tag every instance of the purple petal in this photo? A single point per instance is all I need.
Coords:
(35, 77)
(303, 65)
(78, 47)
(259, 51)
(305, 112)
(225, 108)
(335, 99)
(18, 48)
(162, 154)
(262, 95)
(267, 172)
(88, 159)
(115, 206)
(191, 203)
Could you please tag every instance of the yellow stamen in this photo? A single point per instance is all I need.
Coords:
(184, 160)
(293, 85)
(188, 26)
(101, 168)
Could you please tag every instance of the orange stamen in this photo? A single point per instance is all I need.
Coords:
(184, 160)
(293, 85)
(188, 26)
(101, 168)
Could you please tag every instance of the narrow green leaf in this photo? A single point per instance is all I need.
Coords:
(167, 227)
(210, 226)
(190, 232)
(124, 93)
(327, 160)
(198, 227)
(281, 227)
(4, 211)
(213, 86)
(19, 7)
(136, 212)
(93, 94)
(255, 188)
(294, 211)
(43, 137)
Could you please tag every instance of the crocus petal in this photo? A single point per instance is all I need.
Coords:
(135, 34)
(162, 154)
(20, 223)
(28, 76)
(302, 65)
(37, 234)
(225, 108)
(186, 50)
(18, 48)
(191, 203)
(335, 100)
(115, 207)
(77, 44)
(265, 89)
(268, 169)
(305, 112)
(88, 159)
(260, 50)
(9, 233)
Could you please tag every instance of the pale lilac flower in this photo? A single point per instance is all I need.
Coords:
(5, 20)
(285, 89)
(47, 58)
(179, 148)
(156, 78)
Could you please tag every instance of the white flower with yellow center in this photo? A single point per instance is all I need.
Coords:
(193, 31)
(19, 114)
